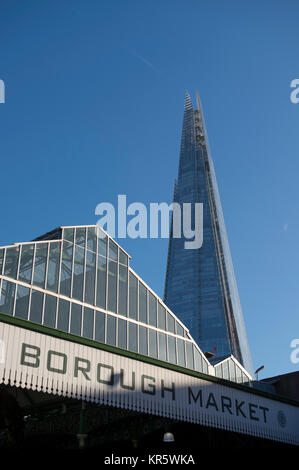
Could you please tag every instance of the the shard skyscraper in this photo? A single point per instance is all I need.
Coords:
(200, 285)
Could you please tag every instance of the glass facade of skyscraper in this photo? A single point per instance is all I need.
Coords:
(200, 286)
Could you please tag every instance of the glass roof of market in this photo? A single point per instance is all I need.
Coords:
(77, 279)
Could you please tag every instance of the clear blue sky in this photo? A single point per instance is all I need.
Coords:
(94, 105)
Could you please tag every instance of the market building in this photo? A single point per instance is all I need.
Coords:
(89, 354)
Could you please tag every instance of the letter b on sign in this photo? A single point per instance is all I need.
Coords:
(30, 355)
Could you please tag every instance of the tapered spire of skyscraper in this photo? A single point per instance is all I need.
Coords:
(188, 102)
(200, 285)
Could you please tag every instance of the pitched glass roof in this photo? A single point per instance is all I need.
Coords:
(77, 279)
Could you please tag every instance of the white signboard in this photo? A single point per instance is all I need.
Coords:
(53, 365)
